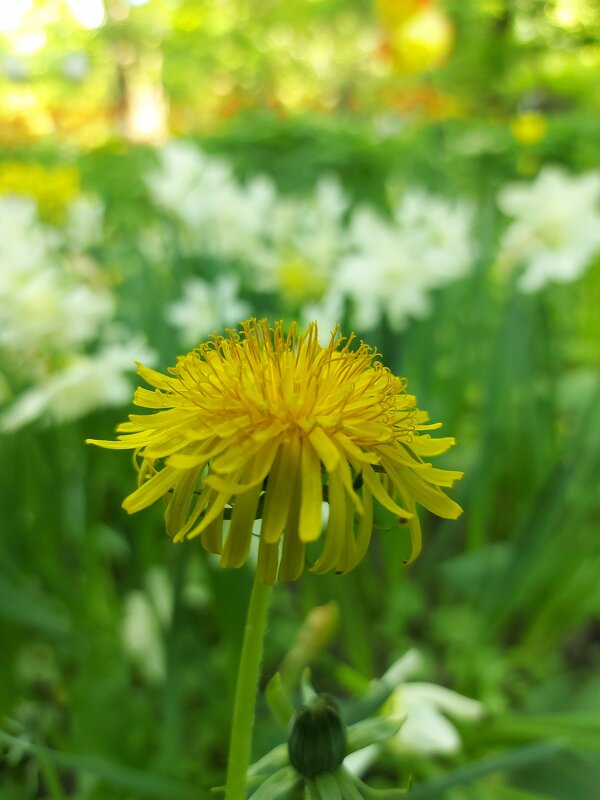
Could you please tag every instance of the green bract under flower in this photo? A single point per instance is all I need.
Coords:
(264, 424)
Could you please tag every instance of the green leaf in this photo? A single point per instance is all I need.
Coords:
(273, 760)
(510, 793)
(370, 731)
(145, 783)
(327, 786)
(307, 690)
(469, 773)
(275, 786)
(279, 702)
(30, 607)
(348, 785)
(580, 730)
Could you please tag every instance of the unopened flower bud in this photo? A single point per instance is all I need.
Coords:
(317, 740)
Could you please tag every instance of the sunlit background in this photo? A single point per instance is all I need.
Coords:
(424, 173)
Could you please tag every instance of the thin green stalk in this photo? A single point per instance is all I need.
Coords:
(51, 778)
(245, 694)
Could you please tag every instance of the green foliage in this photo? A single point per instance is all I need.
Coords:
(504, 604)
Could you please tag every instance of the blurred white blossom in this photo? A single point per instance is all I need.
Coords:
(44, 306)
(45, 314)
(555, 230)
(84, 384)
(147, 614)
(394, 264)
(60, 350)
(437, 235)
(427, 728)
(85, 217)
(220, 216)
(308, 249)
(25, 244)
(305, 241)
(379, 277)
(206, 307)
(425, 709)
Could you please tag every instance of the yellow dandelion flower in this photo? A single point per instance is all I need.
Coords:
(267, 425)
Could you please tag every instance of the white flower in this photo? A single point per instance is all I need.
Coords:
(142, 637)
(43, 313)
(26, 246)
(183, 174)
(84, 222)
(395, 264)
(219, 215)
(205, 308)
(305, 240)
(380, 278)
(424, 706)
(556, 227)
(239, 216)
(437, 235)
(427, 729)
(86, 383)
(44, 306)
(145, 619)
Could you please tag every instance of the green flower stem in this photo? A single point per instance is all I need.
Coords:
(245, 694)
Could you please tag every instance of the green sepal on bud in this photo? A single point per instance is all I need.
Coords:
(317, 739)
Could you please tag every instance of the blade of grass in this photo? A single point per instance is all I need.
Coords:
(469, 773)
(145, 783)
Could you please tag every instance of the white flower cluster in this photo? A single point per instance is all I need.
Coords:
(217, 215)
(555, 228)
(393, 265)
(327, 261)
(60, 353)
(312, 252)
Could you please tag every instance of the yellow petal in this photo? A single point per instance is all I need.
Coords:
(215, 504)
(376, 488)
(110, 445)
(326, 449)
(433, 499)
(336, 527)
(428, 446)
(277, 497)
(439, 477)
(179, 501)
(312, 494)
(212, 535)
(151, 399)
(414, 527)
(292, 553)
(151, 490)
(268, 560)
(239, 536)
(348, 554)
(365, 526)
(155, 378)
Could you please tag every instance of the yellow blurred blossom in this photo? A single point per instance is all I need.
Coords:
(529, 128)
(53, 188)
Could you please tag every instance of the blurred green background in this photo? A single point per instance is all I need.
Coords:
(425, 173)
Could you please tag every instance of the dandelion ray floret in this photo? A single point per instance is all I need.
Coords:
(264, 424)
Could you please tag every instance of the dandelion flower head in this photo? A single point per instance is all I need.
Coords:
(268, 424)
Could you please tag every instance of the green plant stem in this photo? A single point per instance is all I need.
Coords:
(245, 694)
